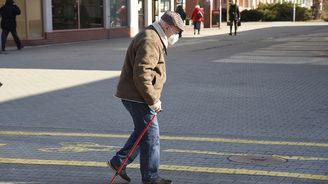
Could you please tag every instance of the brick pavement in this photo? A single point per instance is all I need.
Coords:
(260, 93)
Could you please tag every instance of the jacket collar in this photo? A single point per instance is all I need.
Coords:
(161, 33)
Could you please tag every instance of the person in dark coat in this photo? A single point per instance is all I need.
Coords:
(8, 14)
(234, 16)
(182, 14)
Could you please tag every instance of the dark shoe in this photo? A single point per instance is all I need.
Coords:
(159, 180)
(230, 33)
(123, 174)
(20, 47)
(3, 49)
(235, 34)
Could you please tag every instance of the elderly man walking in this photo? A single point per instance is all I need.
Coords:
(140, 85)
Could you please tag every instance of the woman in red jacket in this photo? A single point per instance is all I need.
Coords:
(197, 17)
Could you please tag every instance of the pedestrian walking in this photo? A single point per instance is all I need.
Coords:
(183, 15)
(122, 15)
(234, 17)
(197, 16)
(8, 13)
(139, 88)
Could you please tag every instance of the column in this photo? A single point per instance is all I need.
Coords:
(133, 17)
(107, 14)
(148, 12)
(47, 16)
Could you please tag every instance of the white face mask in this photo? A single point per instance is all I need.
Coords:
(173, 39)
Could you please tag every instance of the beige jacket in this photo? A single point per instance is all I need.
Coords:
(143, 74)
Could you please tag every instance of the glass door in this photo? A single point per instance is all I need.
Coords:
(91, 14)
(34, 19)
(155, 11)
(141, 12)
(65, 14)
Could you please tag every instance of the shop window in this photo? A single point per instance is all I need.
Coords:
(165, 5)
(141, 14)
(118, 13)
(64, 14)
(77, 14)
(91, 13)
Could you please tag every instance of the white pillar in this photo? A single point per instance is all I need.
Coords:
(47, 16)
(107, 14)
(160, 13)
(172, 5)
(148, 12)
(294, 11)
(134, 17)
(220, 9)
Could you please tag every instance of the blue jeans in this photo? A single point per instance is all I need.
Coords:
(149, 147)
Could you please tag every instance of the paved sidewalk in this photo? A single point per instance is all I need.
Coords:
(246, 26)
(246, 109)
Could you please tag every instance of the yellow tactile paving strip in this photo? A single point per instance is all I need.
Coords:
(176, 138)
(213, 170)
(241, 154)
(81, 147)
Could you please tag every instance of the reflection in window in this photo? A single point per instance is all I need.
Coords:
(64, 14)
(34, 18)
(77, 14)
(118, 13)
(91, 13)
(165, 5)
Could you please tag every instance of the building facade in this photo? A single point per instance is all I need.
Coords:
(60, 21)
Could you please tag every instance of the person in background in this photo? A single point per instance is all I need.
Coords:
(183, 15)
(197, 16)
(122, 15)
(8, 13)
(234, 16)
(139, 88)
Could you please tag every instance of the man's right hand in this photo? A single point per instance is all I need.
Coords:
(156, 107)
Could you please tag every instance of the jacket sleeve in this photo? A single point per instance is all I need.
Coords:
(203, 18)
(238, 12)
(192, 15)
(144, 74)
(230, 11)
(18, 11)
(183, 15)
